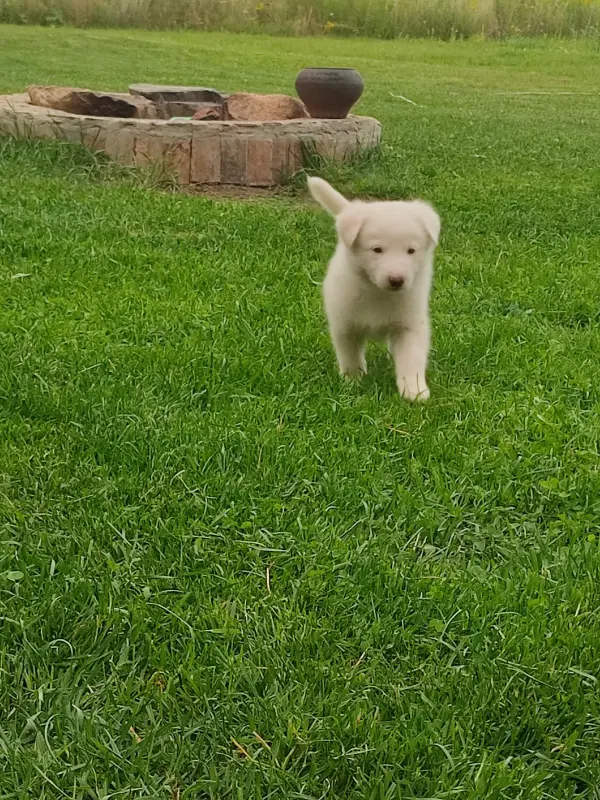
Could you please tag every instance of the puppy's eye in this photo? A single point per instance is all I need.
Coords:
(410, 251)
(378, 249)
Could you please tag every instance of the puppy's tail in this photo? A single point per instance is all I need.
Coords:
(327, 196)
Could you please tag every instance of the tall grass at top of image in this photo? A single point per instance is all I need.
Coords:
(442, 19)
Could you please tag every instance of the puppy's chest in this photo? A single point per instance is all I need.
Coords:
(378, 317)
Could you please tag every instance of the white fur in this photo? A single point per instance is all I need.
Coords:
(360, 301)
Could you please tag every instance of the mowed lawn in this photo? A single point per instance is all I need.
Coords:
(224, 573)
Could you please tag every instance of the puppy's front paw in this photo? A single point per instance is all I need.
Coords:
(353, 370)
(354, 373)
(413, 390)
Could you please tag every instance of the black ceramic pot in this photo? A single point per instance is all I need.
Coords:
(327, 92)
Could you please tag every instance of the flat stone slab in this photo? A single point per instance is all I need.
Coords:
(186, 94)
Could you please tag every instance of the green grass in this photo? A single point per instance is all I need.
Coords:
(387, 19)
(206, 535)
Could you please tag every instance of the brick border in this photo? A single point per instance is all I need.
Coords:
(237, 153)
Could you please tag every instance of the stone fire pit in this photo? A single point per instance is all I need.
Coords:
(204, 151)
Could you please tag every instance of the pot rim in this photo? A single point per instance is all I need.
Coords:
(328, 69)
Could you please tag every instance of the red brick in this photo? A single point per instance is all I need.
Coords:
(119, 145)
(68, 128)
(93, 135)
(206, 159)
(234, 158)
(176, 155)
(287, 158)
(148, 150)
(260, 154)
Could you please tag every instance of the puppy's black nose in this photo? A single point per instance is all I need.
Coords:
(396, 283)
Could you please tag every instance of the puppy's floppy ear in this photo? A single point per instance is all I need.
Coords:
(430, 219)
(327, 196)
(349, 223)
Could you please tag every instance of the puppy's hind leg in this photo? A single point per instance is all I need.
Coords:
(350, 351)
(410, 350)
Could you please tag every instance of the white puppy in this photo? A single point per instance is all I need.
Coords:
(378, 283)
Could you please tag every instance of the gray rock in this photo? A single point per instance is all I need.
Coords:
(185, 94)
(179, 108)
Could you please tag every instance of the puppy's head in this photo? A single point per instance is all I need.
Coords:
(388, 242)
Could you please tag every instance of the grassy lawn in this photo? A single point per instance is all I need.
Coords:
(223, 572)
